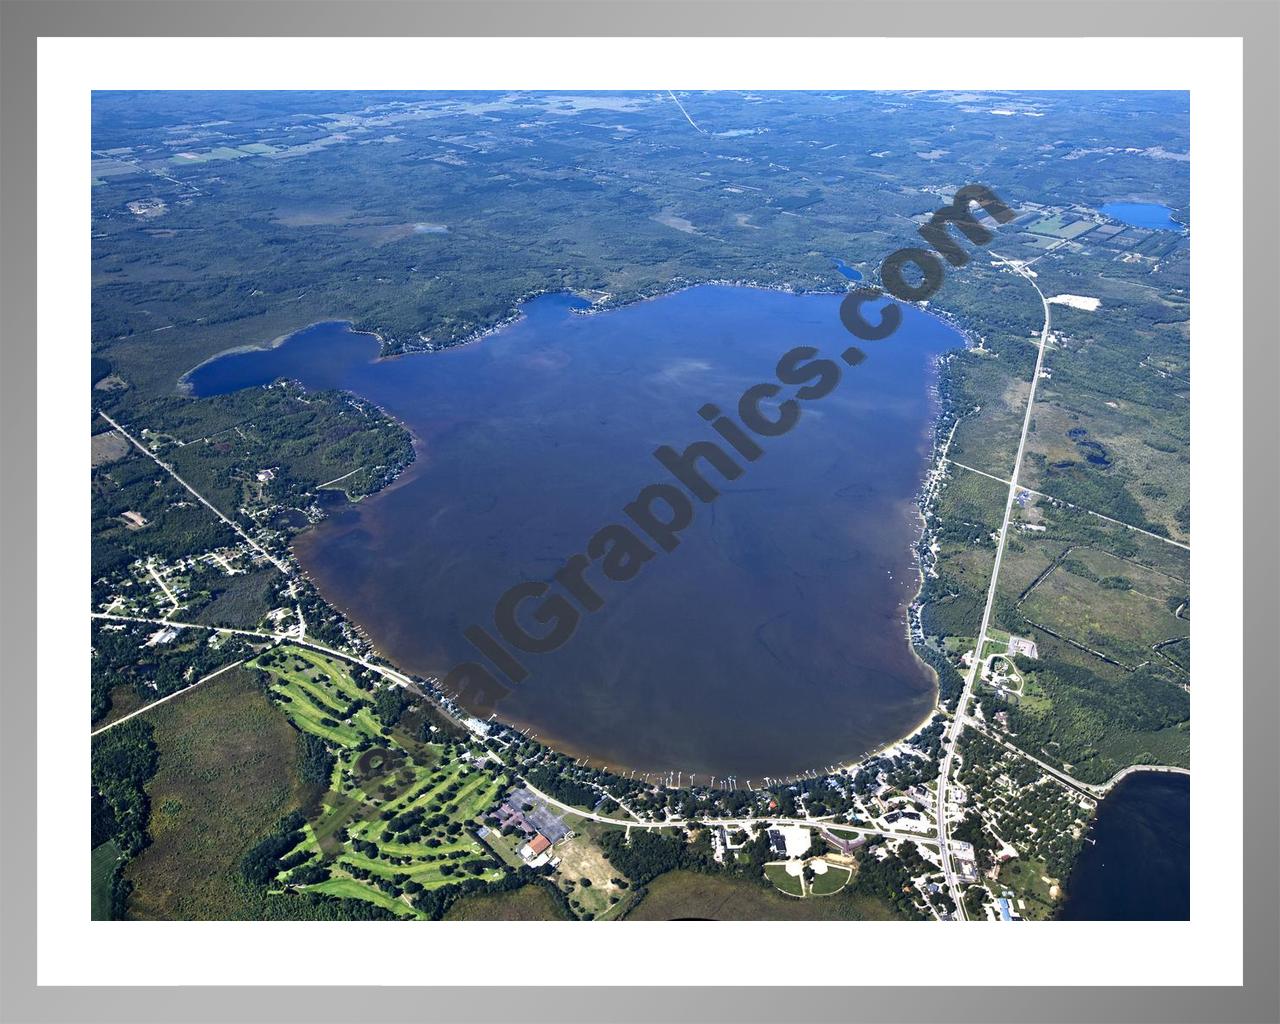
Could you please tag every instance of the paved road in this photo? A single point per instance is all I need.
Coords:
(399, 678)
(403, 680)
(685, 112)
(727, 822)
(1078, 508)
(957, 723)
(1126, 772)
(161, 584)
(284, 567)
(176, 693)
(1094, 790)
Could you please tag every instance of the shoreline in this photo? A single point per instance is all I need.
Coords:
(183, 383)
(922, 500)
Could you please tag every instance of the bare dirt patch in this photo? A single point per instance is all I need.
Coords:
(107, 448)
(581, 858)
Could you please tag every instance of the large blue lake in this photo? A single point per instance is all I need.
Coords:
(770, 641)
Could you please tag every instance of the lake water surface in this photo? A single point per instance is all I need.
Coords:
(1143, 215)
(1138, 867)
(770, 641)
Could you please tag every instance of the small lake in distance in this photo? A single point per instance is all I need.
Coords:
(852, 273)
(1143, 215)
(770, 642)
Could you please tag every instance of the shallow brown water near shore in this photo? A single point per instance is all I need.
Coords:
(769, 642)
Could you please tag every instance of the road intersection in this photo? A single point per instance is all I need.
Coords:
(952, 738)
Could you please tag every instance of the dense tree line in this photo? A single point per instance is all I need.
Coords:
(567, 790)
(267, 857)
(950, 682)
(647, 855)
(122, 761)
(390, 703)
(650, 853)
(120, 658)
(316, 760)
(950, 607)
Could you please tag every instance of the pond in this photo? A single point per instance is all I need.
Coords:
(852, 273)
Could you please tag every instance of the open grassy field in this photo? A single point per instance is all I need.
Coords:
(227, 769)
(685, 895)
(1027, 877)
(586, 876)
(832, 881)
(783, 880)
(1109, 604)
(1027, 557)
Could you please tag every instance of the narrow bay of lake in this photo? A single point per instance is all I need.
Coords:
(772, 640)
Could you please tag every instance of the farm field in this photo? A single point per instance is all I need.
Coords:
(1057, 226)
